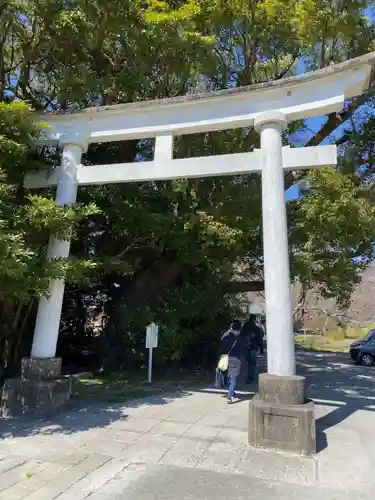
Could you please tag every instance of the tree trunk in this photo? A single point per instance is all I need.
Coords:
(14, 341)
(144, 291)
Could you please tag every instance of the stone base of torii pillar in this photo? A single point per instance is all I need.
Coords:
(41, 391)
(280, 416)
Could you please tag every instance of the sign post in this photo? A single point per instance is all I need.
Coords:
(152, 334)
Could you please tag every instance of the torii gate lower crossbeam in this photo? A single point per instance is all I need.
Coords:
(71, 174)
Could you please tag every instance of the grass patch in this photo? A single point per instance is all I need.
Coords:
(123, 387)
(333, 341)
(317, 343)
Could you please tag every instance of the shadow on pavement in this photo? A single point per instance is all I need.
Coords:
(81, 416)
(334, 381)
(244, 393)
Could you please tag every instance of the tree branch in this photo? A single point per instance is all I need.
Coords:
(246, 286)
(287, 69)
(334, 121)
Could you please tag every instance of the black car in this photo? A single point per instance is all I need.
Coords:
(362, 351)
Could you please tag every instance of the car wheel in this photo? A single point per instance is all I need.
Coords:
(367, 360)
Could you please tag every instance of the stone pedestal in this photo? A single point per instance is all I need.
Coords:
(40, 392)
(280, 417)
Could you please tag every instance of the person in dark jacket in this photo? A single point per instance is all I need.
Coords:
(253, 338)
(233, 345)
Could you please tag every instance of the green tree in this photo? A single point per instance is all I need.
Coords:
(25, 221)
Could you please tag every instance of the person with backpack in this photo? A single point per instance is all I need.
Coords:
(253, 338)
(233, 347)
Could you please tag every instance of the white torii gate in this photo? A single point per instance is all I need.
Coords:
(268, 107)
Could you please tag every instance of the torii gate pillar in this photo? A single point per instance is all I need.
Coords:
(279, 416)
(49, 309)
(280, 346)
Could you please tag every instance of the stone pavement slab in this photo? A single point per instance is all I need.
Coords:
(27, 485)
(68, 477)
(7, 463)
(94, 481)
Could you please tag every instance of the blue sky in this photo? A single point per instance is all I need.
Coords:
(314, 124)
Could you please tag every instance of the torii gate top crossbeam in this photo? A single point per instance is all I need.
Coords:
(303, 96)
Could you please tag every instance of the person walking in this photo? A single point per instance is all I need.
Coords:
(233, 346)
(261, 324)
(221, 376)
(253, 337)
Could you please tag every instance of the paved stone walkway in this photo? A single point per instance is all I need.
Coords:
(193, 445)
